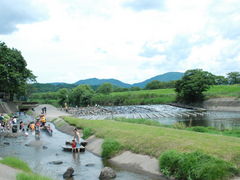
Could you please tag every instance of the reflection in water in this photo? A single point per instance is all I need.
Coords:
(219, 120)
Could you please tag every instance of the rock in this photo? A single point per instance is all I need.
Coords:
(27, 145)
(90, 165)
(44, 147)
(69, 173)
(57, 154)
(6, 143)
(56, 162)
(107, 173)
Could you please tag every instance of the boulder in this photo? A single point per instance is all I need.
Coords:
(56, 162)
(44, 147)
(69, 173)
(89, 164)
(6, 143)
(107, 173)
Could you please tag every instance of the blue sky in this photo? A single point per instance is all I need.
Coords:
(130, 40)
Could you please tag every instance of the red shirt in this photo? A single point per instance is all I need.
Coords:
(74, 144)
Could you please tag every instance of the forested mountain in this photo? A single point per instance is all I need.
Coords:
(98, 82)
(95, 82)
(170, 76)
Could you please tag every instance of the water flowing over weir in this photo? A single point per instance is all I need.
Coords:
(165, 114)
(41, 155)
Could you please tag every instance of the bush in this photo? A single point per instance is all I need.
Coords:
(199, 129)
(87, 132)
(179, 125)
(195, 166)
(109, 148)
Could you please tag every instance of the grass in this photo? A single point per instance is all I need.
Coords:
(19, 164)
(195, 166)
(110, 147)
(223, 91)
(16, 163)
(153, 141)
(27, 176)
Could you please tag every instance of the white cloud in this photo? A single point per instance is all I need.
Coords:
(107, 39)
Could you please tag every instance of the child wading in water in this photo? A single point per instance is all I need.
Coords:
(74, 144)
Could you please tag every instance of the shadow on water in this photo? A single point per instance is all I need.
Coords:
(40, 155)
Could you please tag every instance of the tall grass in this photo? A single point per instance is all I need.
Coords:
(195, 166)
(110, 147)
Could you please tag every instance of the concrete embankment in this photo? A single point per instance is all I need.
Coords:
(222, 104)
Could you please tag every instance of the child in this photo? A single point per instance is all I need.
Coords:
(74, 144)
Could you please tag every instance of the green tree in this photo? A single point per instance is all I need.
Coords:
(14, 75)
(105, 88)
(63, 96)
(81, 95)
(219, 80)
(192, 85)
(233, 77)
(155, 84)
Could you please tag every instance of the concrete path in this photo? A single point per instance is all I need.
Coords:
(8, 173)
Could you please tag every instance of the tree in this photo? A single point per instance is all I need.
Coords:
(105, 88)
(155, 84)
(81, 95)
(219, 80)
(233, 77)
(63, 96)
(14, 75)
(192, 85)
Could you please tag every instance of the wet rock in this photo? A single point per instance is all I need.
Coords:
(56, 162)
(44, 147)
(107, 173)
(90, 165)
(6, 143)
(69, 173)
(27, 145)
(57, 154)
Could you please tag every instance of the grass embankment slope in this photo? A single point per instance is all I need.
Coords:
(153, 141)
(27, 172)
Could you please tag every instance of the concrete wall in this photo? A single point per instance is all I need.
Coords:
(222, 104)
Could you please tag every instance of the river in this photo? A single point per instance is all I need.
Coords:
(40, 153)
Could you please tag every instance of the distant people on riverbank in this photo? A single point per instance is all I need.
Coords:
(44, 110)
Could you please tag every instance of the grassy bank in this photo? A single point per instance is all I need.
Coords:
(27, 173)
(153, 141)
(223, 91)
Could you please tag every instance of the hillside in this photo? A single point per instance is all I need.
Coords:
(170, 76)
(97, 82)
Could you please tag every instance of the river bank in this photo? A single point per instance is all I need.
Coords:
(126, 159)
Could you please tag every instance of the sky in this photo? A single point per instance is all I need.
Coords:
(129, 40)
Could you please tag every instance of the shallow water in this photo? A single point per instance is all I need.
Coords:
(86, 165)
(218, 119)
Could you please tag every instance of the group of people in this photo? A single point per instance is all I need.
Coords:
(76, 141)
(6, 122)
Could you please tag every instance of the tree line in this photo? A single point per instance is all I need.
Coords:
(14, 74)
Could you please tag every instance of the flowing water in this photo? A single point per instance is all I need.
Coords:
(40, 154)
(169, 115)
